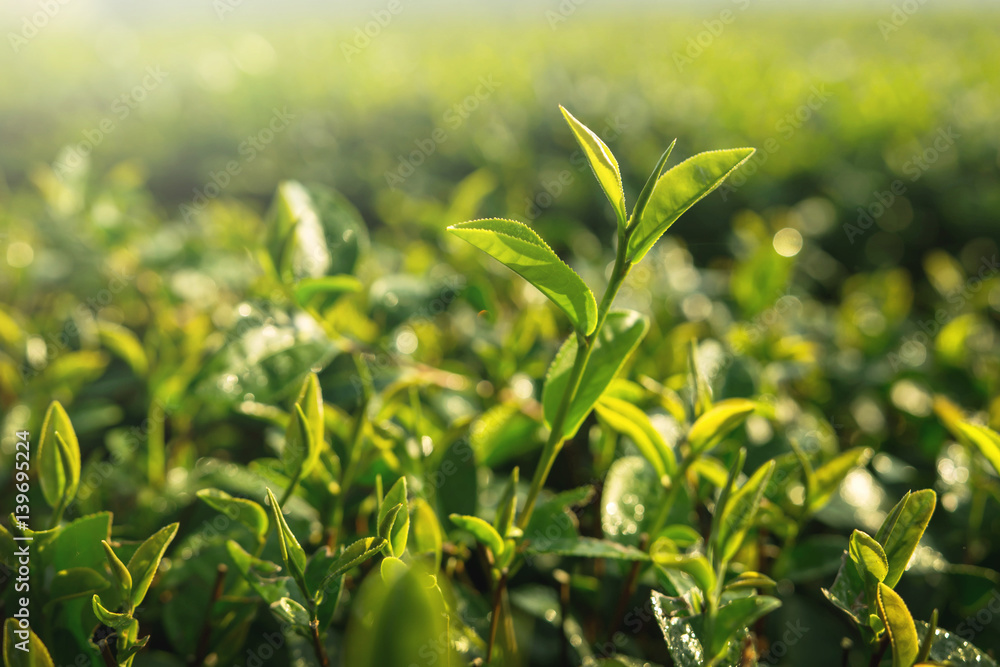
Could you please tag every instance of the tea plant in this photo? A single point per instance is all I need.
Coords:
(305, 489)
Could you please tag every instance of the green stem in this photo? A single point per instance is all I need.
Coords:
(291, 488)
(318, 648)
(668, 502)
(585, 348)
(57, 515)
(495, 619)
(665, 507)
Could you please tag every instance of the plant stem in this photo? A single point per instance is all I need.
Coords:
(57, 515)
(109, 659)
(324, 661)
(206, 628)
(880, 653)
(585, 348)
(628, 589)
(564, 590)
(668, 502)
(291, 489)
(495, 620)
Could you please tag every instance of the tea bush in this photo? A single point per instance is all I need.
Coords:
(305, 447)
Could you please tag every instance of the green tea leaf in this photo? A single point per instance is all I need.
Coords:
(647, 189)
(902, 529)
(291, 551)
(124, 344)
(355, 554)
(899, 625)
(301, 450)
(78, 543)
(701, 389)
(399, 529)
(507, 507)
(130, 636)
(681, 636)
(718, 525)
(741, 509)
(868, 556)
(602, 162)
(298, 246)
(734, 618)
(751, 580)
(681, 535)
(523, 251)
(678, 190)
(260, 574)
(35, 654)
(986, 440)
(827, 477)
(399, 620)
(631, 489)
(425, 532)
(116, 621)
(717, 423)
(308, 289)
(247, 512)
(620, 335)
(588, 547)
(331, 595)
(58, 468)
(949, 648)
(481, 530)
(120, 572)
(928, 639)
(633, 422)
(386, 520)
(848, 592)
(290, 611)
(146, 559)
(502, 433)
(391, 569)
(553, 519)
(695, 565)
(73, 583)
